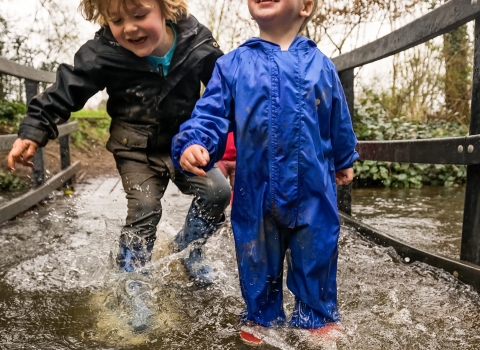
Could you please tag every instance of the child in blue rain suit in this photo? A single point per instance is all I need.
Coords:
(283, 100)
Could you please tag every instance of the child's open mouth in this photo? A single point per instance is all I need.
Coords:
(138, 40)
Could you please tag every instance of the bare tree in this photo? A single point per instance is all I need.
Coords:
(47, 41)
(228, 20)
(458, 71)
(342, 21)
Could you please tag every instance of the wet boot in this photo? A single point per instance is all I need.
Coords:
(198, 230)
(136, 297)
(138, 293)
(133, 257)
(201, 274)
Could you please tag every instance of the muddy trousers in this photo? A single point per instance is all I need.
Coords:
(311, 252)
(144, 192)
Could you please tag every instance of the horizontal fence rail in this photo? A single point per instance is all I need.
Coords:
(464, 271)
(6, 141)
(28, 200)
(19, 71)
(445, 18)
(452, 150)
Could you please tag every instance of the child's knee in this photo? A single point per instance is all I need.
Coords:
(217, 197)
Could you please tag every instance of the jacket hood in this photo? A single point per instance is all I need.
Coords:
(298, 42)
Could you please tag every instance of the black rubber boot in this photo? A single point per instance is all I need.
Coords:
(133, 253)
(198, 230)
(202, 275)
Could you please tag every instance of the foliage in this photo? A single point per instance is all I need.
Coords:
(11, 114)
(372, 122)
(94, 128)
(11, 182)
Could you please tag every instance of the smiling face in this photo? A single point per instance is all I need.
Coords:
(140, 29)
(277, 14)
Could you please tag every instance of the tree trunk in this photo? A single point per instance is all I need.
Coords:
(457, 75)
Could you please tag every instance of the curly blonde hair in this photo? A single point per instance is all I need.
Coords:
(314, 10)
(97, 10)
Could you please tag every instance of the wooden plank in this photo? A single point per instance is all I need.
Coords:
(68, 128)
(452, 150)
(6, 141)
(445, 18)
(464, 271)
(17, 70)
(28, 200)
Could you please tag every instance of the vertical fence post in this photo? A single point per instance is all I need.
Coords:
(470, 249)
(31, 89)
(65, 155)
(344, 193)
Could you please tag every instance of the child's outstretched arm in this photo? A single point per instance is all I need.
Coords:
(194, 158)
(209, 124)
(71, 90)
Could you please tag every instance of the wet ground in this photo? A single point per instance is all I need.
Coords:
(59, 288)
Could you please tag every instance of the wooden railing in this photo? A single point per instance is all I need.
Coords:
(42, 188)
(456, 150)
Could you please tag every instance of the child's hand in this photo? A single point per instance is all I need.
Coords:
(194, 158)
(344, 176)
(22, 151)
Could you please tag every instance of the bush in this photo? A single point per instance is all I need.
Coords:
(371, 122)
(11, 114)
(11, 182)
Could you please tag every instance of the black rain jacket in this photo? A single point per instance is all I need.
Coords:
(146, 108)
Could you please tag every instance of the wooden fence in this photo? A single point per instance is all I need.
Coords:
(457, 150)
(42, 188)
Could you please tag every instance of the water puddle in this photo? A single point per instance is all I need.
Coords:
(60, 289)
(429, 218)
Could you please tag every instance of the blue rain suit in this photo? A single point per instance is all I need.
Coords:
(292, 131)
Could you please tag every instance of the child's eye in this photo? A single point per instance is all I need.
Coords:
(116, 20)
(140, 16)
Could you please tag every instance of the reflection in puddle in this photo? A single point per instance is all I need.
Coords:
(429, 218)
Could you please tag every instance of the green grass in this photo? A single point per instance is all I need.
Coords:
(94, 128)
(90, 114)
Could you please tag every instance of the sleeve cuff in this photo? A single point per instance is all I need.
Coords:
(30, 133)
(347, 163)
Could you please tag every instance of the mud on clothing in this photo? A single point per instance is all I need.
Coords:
(292, 132)
(146, 108)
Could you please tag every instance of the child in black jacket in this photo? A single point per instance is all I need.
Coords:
(151, 57)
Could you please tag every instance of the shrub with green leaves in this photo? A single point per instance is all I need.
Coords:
(11, 182)
(11, 114)
(371, 122)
